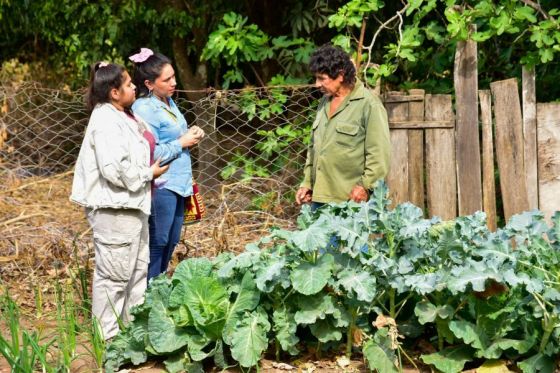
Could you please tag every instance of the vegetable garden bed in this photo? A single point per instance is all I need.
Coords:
(481, 295)
(362, 279)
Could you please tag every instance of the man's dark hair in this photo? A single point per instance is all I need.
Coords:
(332, 61)
(150, 70)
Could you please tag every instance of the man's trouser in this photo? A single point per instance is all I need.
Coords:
(120, 238)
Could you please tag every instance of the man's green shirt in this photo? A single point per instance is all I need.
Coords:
(351, 148)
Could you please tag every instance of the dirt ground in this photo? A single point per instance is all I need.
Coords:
(42, 234)
(44, 238)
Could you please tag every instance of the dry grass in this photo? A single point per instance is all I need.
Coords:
(43, 235)
(44, 238)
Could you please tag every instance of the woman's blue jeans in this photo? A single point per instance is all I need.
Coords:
(166, 220)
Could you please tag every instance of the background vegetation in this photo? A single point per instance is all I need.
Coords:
(232, 44)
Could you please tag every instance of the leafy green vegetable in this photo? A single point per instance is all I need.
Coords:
(450, 360)
(474, 293)
(249, 340)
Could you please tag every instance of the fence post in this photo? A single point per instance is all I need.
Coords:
(488, 183)
(530, 135)
(509, 146)
(467, 135)
(416, 151)
(548, 135)
(441, 182)
(398, 176)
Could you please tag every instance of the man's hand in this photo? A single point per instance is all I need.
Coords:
(303, 195)
(359, 194)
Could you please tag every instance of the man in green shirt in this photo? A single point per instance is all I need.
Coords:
(350, 145)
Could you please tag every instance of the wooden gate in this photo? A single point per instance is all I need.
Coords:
(423, 163)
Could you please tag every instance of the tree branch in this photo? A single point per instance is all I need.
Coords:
(261, 82)
(381, 28)
(360, 44)
(537, 7)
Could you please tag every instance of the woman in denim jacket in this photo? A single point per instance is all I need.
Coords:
(156, 83)
(112, 181)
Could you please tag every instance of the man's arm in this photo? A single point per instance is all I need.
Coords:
(377, 145)
(303, 194)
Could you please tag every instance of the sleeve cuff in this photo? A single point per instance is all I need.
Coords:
(148, 174)
(305, 184)
(176, 145)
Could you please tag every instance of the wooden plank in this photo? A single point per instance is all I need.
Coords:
(397, 179)
(392, 97)
(397, 110)
(468, 146)
(441, 182)
(530, 135)
(421, 124)
(548, 135)
(509, 146)
(488, 182)
(416, 152)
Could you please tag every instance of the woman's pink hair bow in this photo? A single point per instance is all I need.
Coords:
(144, 54)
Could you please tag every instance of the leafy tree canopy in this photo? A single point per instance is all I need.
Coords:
(232, 44)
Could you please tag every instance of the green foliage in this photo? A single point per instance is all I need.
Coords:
(307, 20)
(249, 340)
(409, 43)
(23, 350)
(237, 43)
(70, 26)
(352, 13)
(380, 353)
(414, 43)
(278, 148)
(450, 360)
(537, 363)
(350, 263)
(293, 56)
(38, 349)
(68, 36)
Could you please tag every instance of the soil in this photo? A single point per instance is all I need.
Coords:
(45, 242)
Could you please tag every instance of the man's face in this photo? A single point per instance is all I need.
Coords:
(328, 85)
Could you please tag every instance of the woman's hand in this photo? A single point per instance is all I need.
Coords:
(157, 169)
(197, 131)
(192, 137)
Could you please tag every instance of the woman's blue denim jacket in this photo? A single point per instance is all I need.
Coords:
(168, 124)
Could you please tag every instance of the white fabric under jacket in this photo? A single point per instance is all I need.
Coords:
(112, 169)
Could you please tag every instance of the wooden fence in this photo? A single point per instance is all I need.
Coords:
(423, 166)
(434, 147)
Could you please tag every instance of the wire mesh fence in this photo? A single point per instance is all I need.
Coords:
(254, 133)
(41, 129)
